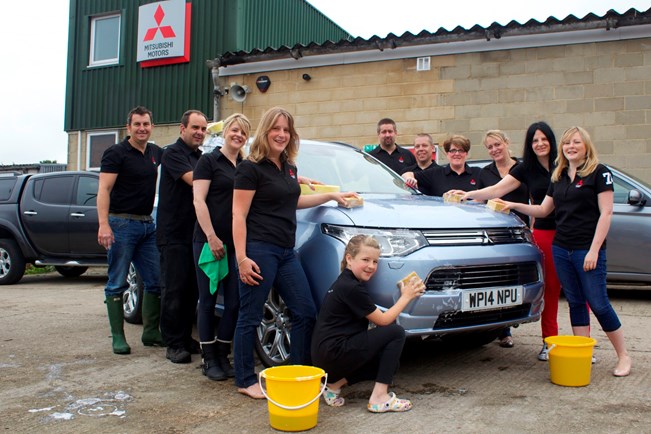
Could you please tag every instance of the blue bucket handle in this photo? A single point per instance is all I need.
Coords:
(297, 407)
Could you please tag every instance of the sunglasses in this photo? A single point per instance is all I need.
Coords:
(456, 151)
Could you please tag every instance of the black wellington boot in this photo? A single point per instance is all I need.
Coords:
(223, 350)
(210, 367)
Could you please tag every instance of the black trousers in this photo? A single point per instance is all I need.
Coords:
(370, 355)
(179, 294)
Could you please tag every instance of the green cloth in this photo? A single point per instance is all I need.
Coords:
(215, 269)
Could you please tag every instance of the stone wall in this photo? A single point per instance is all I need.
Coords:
(604, 87)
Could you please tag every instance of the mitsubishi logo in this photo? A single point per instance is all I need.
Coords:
(166, 31)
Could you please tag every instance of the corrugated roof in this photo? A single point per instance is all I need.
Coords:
(610, 20)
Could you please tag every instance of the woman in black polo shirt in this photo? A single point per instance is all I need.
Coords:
(581, 192)
(497, 145)
(265, 200)
(212, 183)
(538, 163)
(457, 175)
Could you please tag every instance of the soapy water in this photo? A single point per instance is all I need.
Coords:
(111, 405)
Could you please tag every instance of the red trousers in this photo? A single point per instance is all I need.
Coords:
(549, 318)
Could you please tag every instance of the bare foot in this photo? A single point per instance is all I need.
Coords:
(253, 391)
(623, 367)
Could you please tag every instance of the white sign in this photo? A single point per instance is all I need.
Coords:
(161, 30)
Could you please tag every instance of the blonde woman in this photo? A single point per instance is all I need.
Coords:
(581, 193)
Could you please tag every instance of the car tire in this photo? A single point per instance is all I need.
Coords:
(12, 262)
(66, 271)
(132, 297)
(273, 333)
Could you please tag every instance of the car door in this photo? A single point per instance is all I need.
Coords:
(44, 210)
(82, 218)
(630, 234)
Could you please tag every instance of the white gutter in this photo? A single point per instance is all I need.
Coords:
(444, 48)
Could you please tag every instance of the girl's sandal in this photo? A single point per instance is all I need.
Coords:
(332, 397)
(393, 404)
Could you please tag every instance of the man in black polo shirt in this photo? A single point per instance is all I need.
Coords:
(391, 154)
(125, 200)
(424, 152)
(176, 219)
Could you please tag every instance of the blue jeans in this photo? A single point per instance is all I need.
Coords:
(580, 287)
(135, 241)
(279, 268)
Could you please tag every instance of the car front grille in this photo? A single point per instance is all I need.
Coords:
(474, 237)
(482, 276)
(455, 319)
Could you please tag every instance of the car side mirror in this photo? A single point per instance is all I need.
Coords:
(636, 198)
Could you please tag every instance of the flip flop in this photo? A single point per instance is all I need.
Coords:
(393, 404)
(332, 397)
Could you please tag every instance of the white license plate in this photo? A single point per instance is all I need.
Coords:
(493, 298)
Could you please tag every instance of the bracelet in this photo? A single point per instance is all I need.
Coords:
(240, 263)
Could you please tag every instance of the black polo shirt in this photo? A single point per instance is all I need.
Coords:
(272, 215)
(135, 186)
(537, 180)
(438, 180)
(176, 217)
(416, 168)
(577, 207)
(490, 175)
(398, 160)
(218, 169)
(342, 314)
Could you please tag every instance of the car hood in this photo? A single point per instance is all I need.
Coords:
(421, 212)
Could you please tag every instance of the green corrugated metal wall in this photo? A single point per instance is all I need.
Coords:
(100, 97)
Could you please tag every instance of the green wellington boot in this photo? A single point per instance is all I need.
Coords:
(116, 320)
(151, 336)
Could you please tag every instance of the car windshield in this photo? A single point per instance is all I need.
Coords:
(348, 168)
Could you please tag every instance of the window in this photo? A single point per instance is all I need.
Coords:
(55, 190)
(87, 191)
(6, 188)
(97, 144)
(104, 40)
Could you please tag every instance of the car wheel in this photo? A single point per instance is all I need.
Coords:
(70, 271)
(132, 297)
(12, 262)
(473, 339)
(273, 332)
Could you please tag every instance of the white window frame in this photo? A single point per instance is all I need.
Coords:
(93, 21)
(89, 137)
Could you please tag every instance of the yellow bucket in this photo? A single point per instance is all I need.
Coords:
(570, 359)
(292, 394)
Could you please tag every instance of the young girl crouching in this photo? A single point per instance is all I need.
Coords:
(344, 346)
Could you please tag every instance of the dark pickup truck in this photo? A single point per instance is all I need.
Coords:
(51, 219)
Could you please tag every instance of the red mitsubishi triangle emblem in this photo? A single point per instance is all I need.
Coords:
(166, 31)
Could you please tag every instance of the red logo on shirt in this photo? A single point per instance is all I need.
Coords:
(291, 173)
(401, 160)
(579, 184)
(473, 182)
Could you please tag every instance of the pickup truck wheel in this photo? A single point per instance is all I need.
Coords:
(132, 297)
(273, 333)
(70, 271)
(12, 262)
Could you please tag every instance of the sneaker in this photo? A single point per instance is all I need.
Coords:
(178, 355)
(543, 355)
(594, 360)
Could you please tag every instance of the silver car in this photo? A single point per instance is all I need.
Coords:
(481, 270)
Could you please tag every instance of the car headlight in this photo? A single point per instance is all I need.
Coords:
(393, 242)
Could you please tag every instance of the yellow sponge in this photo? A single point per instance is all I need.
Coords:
(318, 188)
(496, 206)
(353, 202)
(407, 278)
(452, 197)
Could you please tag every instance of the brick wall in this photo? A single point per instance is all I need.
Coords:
(604, 87)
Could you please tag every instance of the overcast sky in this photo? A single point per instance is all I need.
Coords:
(35, 37)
